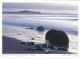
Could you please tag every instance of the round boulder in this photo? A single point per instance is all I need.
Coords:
(57, 38)
(40, 28)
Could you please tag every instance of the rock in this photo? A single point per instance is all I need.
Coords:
(31, 28)
(39, 48)
(51, 47)
(31, 46)
(31, 43)
(32, 38)
(44, 45)
(23, 42)
(40, 28)
(57, 38)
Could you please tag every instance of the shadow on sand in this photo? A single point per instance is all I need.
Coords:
(15, 46)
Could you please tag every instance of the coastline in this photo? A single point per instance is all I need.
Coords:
(13, 46)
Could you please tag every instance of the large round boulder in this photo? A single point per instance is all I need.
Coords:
(40, 28)
(57, 38)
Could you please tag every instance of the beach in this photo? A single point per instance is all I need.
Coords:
(19, 28)
(14, 35)
(14, 46)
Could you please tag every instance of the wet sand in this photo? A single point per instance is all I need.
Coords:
(14, 46)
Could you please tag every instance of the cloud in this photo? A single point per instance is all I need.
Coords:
(42, 6)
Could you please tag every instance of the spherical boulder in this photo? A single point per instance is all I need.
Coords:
(40, 28)
(57, 38)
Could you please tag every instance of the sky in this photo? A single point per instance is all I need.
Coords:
(42, 7)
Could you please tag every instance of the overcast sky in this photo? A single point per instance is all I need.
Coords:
(42, 7)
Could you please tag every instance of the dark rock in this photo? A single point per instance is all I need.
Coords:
(31, 43)
(23, 42)
(51, 47)
(57, 38)
(39, 48)
(40, 28)
(32, 38)
(44, 45)
(31, 28)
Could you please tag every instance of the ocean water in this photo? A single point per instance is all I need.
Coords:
(14, 25)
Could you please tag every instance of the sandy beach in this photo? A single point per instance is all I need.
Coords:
(14, 46)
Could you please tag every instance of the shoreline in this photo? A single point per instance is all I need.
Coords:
(14, 46)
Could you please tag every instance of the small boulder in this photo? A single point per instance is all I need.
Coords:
(39, 48)
(44, 45)
(23, 42)
(32, 38)
(31, 28)
(31, 43)
(40, 28)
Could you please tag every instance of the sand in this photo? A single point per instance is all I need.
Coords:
(14, 46)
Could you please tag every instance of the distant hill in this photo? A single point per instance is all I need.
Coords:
(25, 12)
(32, 12)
